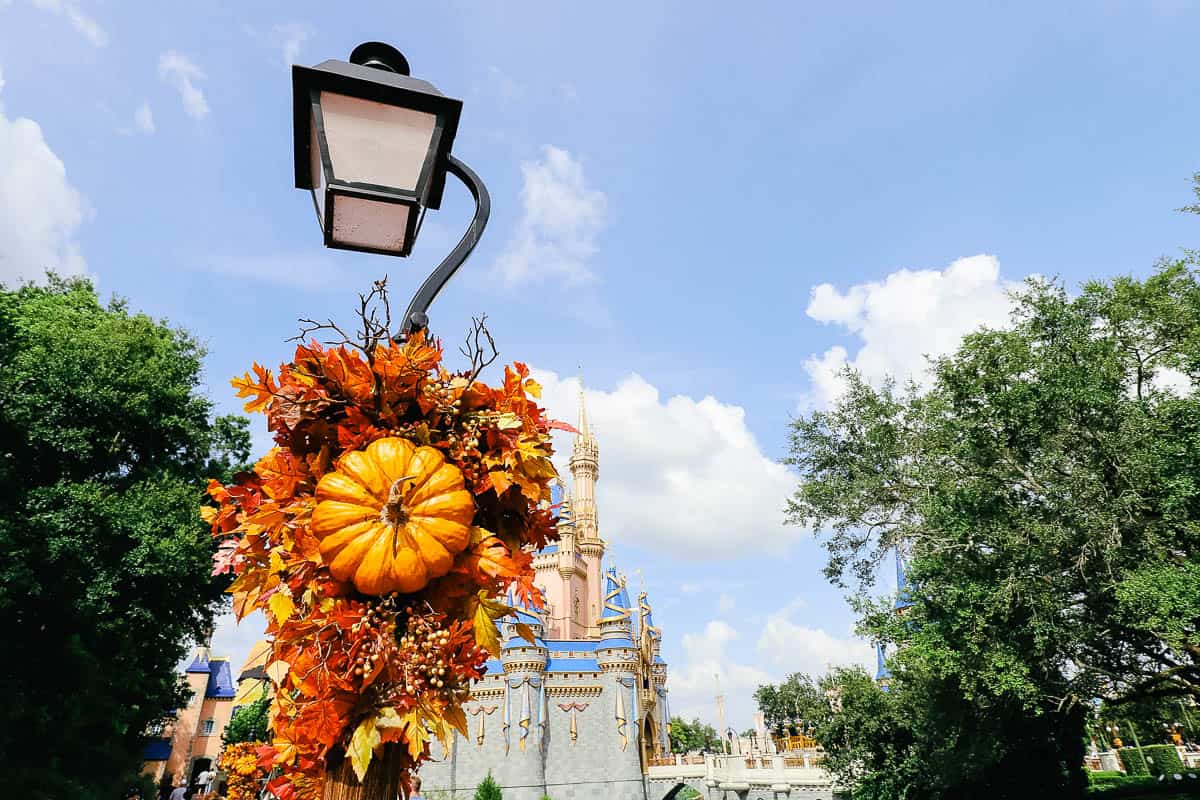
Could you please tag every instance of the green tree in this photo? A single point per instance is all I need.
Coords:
(249, 723)
(795, 704)
(1045, 489)
(488, 789)
(105, 446)
(694, 735)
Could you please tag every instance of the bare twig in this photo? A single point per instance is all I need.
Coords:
(375, 320)
(479, 348)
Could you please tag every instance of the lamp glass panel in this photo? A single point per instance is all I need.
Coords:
(318, 175)
(370, 223)
(376, 143)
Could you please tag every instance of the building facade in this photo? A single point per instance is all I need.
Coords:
(582, 710)
(190, 742)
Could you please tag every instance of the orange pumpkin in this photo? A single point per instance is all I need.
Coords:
(392, 517)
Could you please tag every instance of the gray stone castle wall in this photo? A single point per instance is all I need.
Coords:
(592, 767)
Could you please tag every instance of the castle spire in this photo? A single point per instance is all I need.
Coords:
(585, 470)
(584, 430)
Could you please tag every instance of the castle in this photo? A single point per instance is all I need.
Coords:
(582, 711)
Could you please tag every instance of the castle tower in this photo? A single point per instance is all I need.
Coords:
(617, 658)
(523, 769)
(654, 677)
(585, 470)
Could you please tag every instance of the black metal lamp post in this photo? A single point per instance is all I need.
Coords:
(373, 146)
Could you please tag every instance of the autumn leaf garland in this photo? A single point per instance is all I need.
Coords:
(354, 671)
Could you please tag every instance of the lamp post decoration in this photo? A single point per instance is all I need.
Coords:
(401, 499)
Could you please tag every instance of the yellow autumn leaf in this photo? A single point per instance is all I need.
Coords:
(415, 733)
(362, 746)
(509, 421)
(281, 606)
(457, 719)
(276, 561)
(208, 514)
(533, 388)
(485, 612)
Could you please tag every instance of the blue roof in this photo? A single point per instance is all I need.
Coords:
(609, 643)
(548, 550)
(494, 666)
(614, 595)
(659, 660)
(157, 750)
(902, 600)
(524, 616)
(199, 665)
(572, 665)
(566, 645)
(881, 672)
(220, 680)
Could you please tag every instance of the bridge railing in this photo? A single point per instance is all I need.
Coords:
(739, 772)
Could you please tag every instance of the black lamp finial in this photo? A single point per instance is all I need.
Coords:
(380, 56)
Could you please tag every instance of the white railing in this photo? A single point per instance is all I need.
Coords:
(740, 772)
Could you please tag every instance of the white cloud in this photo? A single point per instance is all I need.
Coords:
(40, 211)
(180, 72)
(910, 314)
(679, 475)
(787, 647)
(694, 684)
(725, 603)
(143, 118)
(783, 647)
(562, 216)
(89, 28)
(290, 37)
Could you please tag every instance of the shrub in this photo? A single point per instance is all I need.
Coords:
(1143, 786)
(1162, 759)
(488, 789)
(1133, 762)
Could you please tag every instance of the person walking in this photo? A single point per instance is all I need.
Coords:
(204, 779)
(179, 792)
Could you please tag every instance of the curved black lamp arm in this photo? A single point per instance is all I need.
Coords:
(415, 318)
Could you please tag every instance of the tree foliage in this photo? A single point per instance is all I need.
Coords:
(105, 444)
(793, 706)
(250, 723)
(692, 736)
(1045, 487)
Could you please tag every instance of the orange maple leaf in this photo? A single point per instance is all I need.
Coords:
(262, 388)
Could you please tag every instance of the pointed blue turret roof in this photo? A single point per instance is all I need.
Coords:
(200, 663)
(902, 596)
(882, 672)
(616, 598)
(522, 613)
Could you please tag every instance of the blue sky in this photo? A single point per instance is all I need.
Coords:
(708, 207)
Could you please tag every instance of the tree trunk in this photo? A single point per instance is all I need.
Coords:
(382, 781)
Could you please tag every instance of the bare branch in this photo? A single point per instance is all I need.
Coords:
(375, 322)
(479, 348)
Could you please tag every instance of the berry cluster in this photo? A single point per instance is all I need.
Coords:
(377, 627)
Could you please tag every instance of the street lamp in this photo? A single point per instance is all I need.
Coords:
(373, 146)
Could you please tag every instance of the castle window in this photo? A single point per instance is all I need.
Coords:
(206, 727)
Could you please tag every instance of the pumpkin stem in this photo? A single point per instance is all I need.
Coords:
(394, 512)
